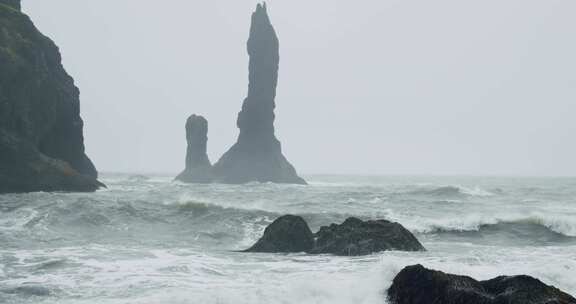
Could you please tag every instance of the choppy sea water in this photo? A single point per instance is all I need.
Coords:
(150, 240)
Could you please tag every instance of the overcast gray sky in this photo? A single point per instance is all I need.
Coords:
(366, 87)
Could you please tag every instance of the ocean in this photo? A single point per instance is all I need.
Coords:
(147, 239)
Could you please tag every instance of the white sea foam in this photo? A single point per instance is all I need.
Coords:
(475, 191)
(166, 242)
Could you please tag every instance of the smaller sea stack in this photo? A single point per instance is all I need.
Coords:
(198, 168)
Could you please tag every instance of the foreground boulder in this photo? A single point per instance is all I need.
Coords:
(418, 285)
(41, 132)
(353, 237)
(357, 237)
(198, 168)
(257, 155)
(288, 233)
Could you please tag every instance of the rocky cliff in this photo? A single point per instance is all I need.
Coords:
(41, 132)
(257, 154)
(198, 167)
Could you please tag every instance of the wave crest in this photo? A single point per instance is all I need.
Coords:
(558, 225)
(452, 191)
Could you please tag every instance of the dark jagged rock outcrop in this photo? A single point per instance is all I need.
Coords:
(418, 285)
(288, 233)
(257, 155)
(353, 237)
(198, 167)
(41, 132)
(357, 237)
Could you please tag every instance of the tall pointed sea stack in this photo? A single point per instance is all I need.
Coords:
(198, 167)
(257, 155)
(41, 132)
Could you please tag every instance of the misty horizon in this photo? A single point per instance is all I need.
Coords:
(384, 88)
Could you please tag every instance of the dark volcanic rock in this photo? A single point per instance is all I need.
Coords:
(198, 167)
(24, 169)
(41, 137)
(356, 237)
(418, 285)
(288, 233)
(257, 155)
(353, 237)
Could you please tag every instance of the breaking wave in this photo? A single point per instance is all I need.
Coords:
(560, 226)
(149, 240)
(452, 191)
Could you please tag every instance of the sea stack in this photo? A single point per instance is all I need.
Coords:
(41, 132)
(198, 167)
(257, 155)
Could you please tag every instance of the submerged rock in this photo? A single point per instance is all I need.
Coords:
(257, 155)
(288, 233)
(41, 132)
(29, 290)
(357, 237)
(198, 167)
(353, 237)
(418, 285)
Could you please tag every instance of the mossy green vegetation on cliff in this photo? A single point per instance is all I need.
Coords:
(14, 4)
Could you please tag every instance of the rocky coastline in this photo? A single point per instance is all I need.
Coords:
(41, 131)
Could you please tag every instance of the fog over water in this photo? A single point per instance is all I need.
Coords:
(366, 87)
